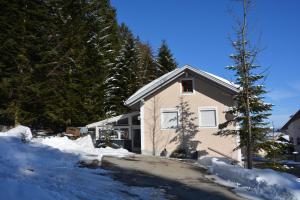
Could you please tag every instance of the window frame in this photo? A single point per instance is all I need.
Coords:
(193, 84)
(208, 108)
(162, 110)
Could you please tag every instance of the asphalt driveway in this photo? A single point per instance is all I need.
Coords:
(179, 180)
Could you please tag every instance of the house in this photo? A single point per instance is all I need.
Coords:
(292, 128)
(181, 108)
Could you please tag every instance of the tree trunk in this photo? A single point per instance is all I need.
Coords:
(16, 115)
(246, 75)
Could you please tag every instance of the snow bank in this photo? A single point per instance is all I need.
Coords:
(19, 131)
(83, 147)
(265, 183)
(107, 151)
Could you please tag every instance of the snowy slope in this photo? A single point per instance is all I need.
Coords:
(34, 171)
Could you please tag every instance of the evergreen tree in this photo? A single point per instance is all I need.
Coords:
(85, 39)
(165, 59)
(65, 61)
(250, 111)
(58, 61)
(103, 47)
(122, 79)
(24, 35)
(146, 65)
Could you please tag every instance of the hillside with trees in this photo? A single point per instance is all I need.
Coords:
(68, 63)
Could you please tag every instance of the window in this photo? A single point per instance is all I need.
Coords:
(292, 140)
(123, 134)
(114, 134)
(187, 86)
(298, 140)
(123, 121)
(207, 117)
(136, 120)
(169, 119)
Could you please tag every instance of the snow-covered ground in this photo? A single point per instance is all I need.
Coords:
(48, 169)
(264, 183)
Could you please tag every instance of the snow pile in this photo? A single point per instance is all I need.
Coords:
(19, 131)
(107, 151)
(34, 171)
(83, 147)
(265, 183)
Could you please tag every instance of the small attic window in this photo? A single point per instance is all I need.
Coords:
(187, 86)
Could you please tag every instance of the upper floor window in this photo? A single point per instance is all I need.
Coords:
(208, 117)
(298, 140)
(187, 86)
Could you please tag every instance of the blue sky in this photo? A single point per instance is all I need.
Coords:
(198, 34)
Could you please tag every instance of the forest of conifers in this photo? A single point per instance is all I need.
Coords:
(69, 62)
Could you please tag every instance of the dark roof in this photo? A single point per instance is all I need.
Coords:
(293, 118)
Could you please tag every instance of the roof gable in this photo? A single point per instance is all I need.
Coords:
(158, 83)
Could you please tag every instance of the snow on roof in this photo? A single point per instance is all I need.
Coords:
(166, 78)
(158, 80)
(222, 79)
(111, 120)
(286, 137)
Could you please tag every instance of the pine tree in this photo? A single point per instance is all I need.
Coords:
(24, 40)
(64, 62)
(57, 58)
(250, 111)
(165, 59)
(146, 65)
(122, 79)
(103, 47)
(84, 44)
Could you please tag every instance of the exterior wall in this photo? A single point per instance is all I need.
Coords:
(294, 132)
(205, 94)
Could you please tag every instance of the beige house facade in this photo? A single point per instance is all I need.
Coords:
(292, 128)
(184, 109)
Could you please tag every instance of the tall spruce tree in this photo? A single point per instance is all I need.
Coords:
(103, 47)
(165, 59)
(147, 66)
(122, 79)
(64, 64)
(24, 35)
(250, 111)
(11, 36)
(85, 41)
